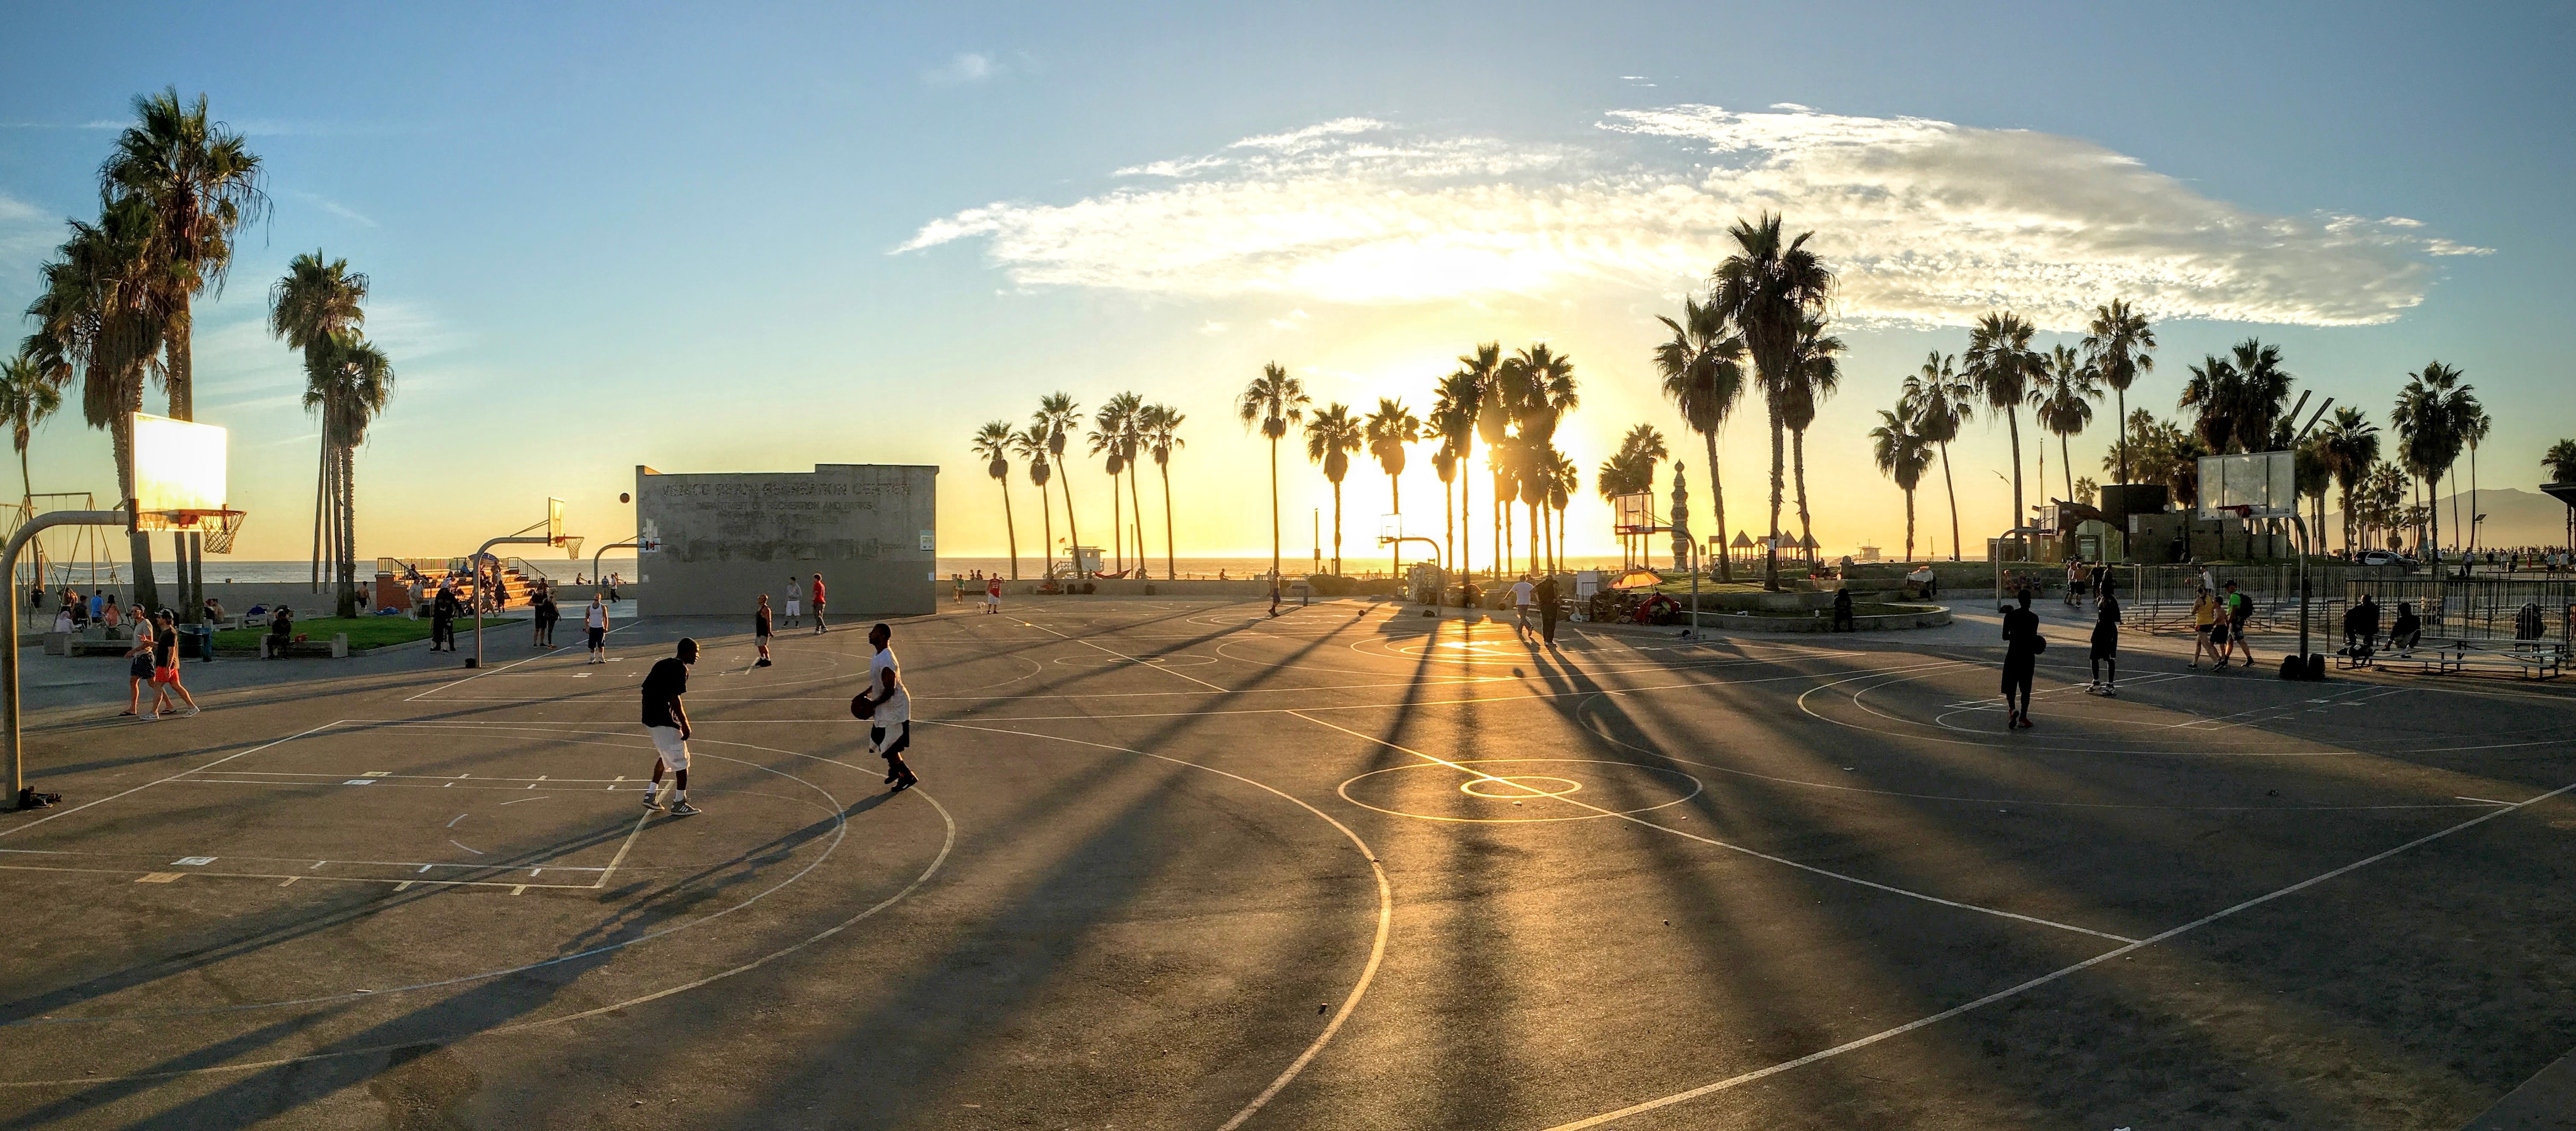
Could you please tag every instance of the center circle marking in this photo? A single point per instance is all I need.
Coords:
(1417, 791)
(1519, 788)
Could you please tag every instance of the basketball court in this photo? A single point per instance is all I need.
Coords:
(1174, 863)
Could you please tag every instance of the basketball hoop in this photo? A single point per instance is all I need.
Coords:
(214, 527)
(2240, 510)
(571, 544)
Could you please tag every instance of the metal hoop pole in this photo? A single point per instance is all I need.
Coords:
(601, 552)
(477, 559)
(9, 661)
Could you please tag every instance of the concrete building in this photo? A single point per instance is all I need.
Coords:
(869, 529)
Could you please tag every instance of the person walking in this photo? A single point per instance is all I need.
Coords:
(165, 665)
(2106, 649)
(2204, 618)
(760, 630)
(1844, 621)
(795, 601)
(2240, 610)
(594, 620)
(442, 616)
(668, 723)
(819, 627)
(993, 594)
(2022, 645)
(1545, 594)
(1522, 592)
(138, 671)
(890, 710)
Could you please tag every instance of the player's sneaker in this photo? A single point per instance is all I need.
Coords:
(653, 803)
(684, 809)
(2110, 692)
(190, 711)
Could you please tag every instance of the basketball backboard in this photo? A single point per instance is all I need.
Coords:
(1633, 514)
(554, 518)
(1390, 528)
(2266, 484)
(178, 466)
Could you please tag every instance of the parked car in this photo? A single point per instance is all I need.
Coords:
(2403, 563)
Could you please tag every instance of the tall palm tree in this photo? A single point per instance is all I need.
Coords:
(1030, 444)
(202, 184)
(1943, 401)
(1815, 372)
(1903, 455)
(2264, 398)
(2003, 366)
(1331, 437)
(309, 306)
(2351, 446)
(1057, 416)
(2385, 492)
(1703, 371)
(2116, 344)
(1494, 402)
(1453, 416)
(2062, 401)
(2433, 416)
(1273, 402)
(2560, 459)
(1389, 429)
(2474, 431)
(1768, 289)
(1158, 426)
(1547, 392)
(100, 313)
(347, 383)
(992, 444)
(2312, 467)
(1112, 437)
(1632, 470)
(26, 399)
(1564, 480)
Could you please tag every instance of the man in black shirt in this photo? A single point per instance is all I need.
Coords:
(669, 726)
(1545, 595)
(442, 618)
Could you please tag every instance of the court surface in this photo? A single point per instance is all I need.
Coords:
(1178, 864)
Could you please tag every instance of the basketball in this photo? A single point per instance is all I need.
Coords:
(861, 707)
(625, 497)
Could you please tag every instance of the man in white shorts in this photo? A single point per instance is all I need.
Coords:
(669, 726)
(890, 724)
(795, 600)
(993, 594)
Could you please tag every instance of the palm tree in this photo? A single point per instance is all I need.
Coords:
(2351, 446)
(1768, 289)
(1703, 371)
(1814, 373)
(992, 444)
(1903, 455)
(1056, 416)
(1545, 380)
(309, 306)
(2116, 345)
(100, 313)
(1564, 481)
(1483, 368)
(1158, 427)
(2474, 431)
(1112, 436)
(347, 383)
(1030, 444)
(1389, 429)
(2312, 468)
(202, 184)
(1942, 402)
(1331, 437)
(1273, 401)
(2433, 416)
(2003, 366)
(26, 399)
(1453, 416)
(2384, 493)
(2560, 459)
(2062, 401)
(1631, 471)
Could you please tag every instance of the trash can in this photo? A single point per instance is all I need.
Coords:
(196, 641)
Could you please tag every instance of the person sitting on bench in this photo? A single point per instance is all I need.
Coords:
(2408, 629)
(281, 629)
(2361, 628)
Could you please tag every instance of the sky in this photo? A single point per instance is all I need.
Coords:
(756, 238)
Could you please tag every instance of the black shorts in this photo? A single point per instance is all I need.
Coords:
(140, 667)
(598, 638)
(2218, 633)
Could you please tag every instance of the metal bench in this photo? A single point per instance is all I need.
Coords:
(2528, 659)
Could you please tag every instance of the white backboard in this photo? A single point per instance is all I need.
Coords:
(2266, 481)
(1632, 514)
(178, 465)
(554, 518)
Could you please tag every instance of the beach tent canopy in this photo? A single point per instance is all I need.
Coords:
(1741, 542)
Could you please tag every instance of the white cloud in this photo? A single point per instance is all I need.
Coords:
(336, 208)
(965, 67)
(1928, 221)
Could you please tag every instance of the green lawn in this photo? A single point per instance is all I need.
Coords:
(364, 632)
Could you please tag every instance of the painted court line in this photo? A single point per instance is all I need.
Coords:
(171, 778)
(2032, 919)
(2044, 979)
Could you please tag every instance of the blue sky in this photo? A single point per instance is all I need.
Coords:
(614, 235)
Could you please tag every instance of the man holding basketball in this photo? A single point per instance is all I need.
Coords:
(888, 709)
(669, 725)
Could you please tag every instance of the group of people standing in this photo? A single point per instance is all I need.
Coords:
(2218, 619)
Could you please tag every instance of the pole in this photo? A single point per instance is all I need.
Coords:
(486, 552)
(2302, 528)
(9, 702)
(594, 562)
(1694, 629)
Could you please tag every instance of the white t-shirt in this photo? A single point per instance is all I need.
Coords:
(896, 707)
(597, 617)
(1520, 593)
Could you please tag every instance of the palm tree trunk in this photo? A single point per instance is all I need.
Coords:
(1771, 554)
(1117, 526)
(180, 383)
(1717, 500)
(1953, 486)
(1073, 529)
(1337, 528)
(1136, 521)
(1274, 519)
(1395, 506)
(1798, 457)
(2012, 420)
(1046, 530)
(1010, 528)
(2123, 396)
(321, 487)
(1171, 564)
(2069, 461)
(349, 525)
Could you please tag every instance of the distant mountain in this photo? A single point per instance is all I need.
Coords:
(2514, 518)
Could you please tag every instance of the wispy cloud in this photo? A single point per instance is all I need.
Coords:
(336, 208)
(100, 124)
(1930, 222)
(965, 67)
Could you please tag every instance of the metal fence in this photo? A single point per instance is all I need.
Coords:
(2477, 609)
